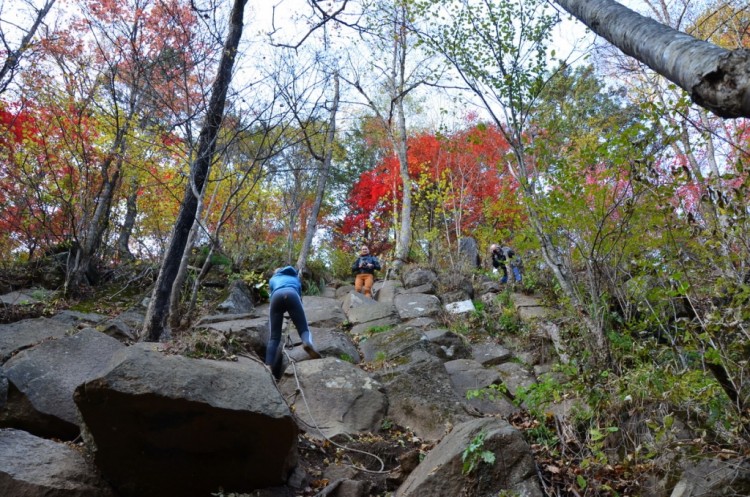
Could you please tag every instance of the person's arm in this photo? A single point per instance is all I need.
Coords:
(375, 263)
(355, 266)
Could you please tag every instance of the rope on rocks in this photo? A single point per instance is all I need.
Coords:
(315, 423)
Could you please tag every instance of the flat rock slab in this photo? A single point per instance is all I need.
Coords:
(27, 332)
(33, 466)
(24, 297)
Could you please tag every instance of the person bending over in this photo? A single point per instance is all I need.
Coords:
(286, 297)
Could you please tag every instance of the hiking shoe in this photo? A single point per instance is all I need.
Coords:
(308, 346)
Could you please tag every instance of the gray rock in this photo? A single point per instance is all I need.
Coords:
(343, 290)
(714, 478)
(371, 312)
(450, 346)
(421, 396)
(355, 299)
(387, 290)
(514, 375)
(119, 329)
(25, 333)
(323, 312)
(75, 318)
(339, 398)
(34, 467)
(329, 342)
(170, 425)
(419, 277)
(252, 334)
(44, 378)
(28, 296)
(218, 318)
(490, 353)
(238, 301)
(467, 375)
(378, 324)
(428, 288)
(468, 253)
(441, 471)
(411, 306)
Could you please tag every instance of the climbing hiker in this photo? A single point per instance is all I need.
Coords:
(286, 297)
(364, 268)
(498, 261)
(501, 255)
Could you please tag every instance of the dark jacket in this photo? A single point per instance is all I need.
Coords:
(498, 258)
(285, 277)
(360, 265)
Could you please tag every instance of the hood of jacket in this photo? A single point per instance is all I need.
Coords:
(288, 270)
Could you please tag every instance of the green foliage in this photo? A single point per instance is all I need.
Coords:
(475, 454)
(347, 358)
(340, 264)
(492, 392)
(379, 329)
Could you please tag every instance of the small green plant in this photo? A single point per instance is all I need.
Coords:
(492, 392)
(379, 329)
(475, 454)
(347, 358)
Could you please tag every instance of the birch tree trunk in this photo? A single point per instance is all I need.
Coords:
(156, 316)
(715, 78)
(312, 221)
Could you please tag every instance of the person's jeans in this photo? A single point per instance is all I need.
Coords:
(516, 273)
(284, 300)
(364, 280)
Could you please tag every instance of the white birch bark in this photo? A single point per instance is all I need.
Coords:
(715, 78)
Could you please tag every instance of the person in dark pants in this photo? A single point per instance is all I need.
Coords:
(286, 297)
(364, 268)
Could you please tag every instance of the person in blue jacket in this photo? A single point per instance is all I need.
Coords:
(286, 297)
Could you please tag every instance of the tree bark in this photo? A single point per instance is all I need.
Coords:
(157, 314)
(312, 222)
(715, 78)
(13, 56)
(123, 241)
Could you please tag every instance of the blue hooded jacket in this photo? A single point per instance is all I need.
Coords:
(285, 277)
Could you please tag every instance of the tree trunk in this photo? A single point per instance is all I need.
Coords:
(312, 222)
(156, 316)
(715, 78)
(83, 273)
(398, 80)
(123, 241)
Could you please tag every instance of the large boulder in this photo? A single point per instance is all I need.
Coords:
(27, 332)
(386, 290)
(441, 472)
(372, 315)
(239, 300)
(42, 381)
(714, 478)
(323, 312)
(420, 395)
(35, 467)
(250, 333)
(467, 375)
(339, 398)
(417, 305)
(468, 254)
(419, 277)
(174, 426)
